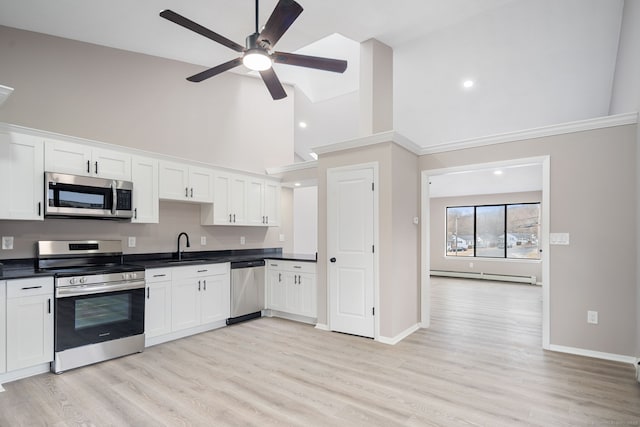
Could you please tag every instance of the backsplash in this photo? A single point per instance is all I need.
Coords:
(174, 218)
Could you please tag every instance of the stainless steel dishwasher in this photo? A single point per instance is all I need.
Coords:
(247, 290)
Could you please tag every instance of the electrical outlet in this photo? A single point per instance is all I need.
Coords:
(592, 317)
(242, 240)
(203, 240)
(132, 241)
(470, 265)
(7, 242)
(282, 237)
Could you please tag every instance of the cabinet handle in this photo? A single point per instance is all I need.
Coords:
(96, 168)
(159, 275)
(148, 293)
(192, 192)
(39, 208)
(135, 213)
(31, 287)
(198, 285)
(297, 266)
(88, 166)
(263, 219)
(205, 284)
(229, 217)
(202, 271)
(267, 222)
(49, 305)
(234, 217)
(186, 191)
(279, 277)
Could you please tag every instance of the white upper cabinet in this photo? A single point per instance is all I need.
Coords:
(242, 200)
(21, 176)
(81, 159)
(183, 182)
(144, 174)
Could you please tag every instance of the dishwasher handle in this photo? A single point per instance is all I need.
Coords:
(247, 264)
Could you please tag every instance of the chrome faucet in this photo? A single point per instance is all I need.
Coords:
(188, 244)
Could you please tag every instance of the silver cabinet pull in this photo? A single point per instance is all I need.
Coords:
(31, 287)
(192, 192)
(148, 293)
(198, 285)
(88, 166)
(159, 275)
(229, 217)
(96, 168)
(186, 191)
(205, 285)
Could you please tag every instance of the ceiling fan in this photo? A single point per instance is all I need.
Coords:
(258, 55)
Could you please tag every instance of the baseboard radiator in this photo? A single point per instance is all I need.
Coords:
(485, 276)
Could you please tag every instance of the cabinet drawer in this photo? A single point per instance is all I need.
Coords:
(299, 267)
(200, 270)
(153, 275)
(19, 288)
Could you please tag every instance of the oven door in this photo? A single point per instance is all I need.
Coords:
(93, 314)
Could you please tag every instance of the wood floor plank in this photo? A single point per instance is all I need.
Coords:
(479, 364)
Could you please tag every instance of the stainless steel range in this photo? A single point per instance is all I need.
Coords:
(99, 301)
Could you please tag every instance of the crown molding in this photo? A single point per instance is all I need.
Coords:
(376, 138)
(311, 164)
(559, 129)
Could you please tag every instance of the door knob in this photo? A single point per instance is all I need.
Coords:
(332, 259)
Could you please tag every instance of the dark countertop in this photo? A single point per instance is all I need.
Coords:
(22, 268)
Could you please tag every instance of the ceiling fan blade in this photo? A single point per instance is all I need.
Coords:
(326, 64)
(273, 84)
(281, 18)
(189, 24)
(215, 70)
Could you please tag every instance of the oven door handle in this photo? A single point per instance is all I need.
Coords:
(74, 291)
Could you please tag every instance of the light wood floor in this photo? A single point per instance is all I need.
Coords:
(479, 364)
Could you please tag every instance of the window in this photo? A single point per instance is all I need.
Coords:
(494, 231)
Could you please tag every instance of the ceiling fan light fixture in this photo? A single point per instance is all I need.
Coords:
(256, 60)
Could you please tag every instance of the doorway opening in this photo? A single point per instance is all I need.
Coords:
(467, 180)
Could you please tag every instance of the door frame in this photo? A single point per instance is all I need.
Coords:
(425, 235)
(376, 253)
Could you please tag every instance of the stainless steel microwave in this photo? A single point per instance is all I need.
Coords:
(85, 196)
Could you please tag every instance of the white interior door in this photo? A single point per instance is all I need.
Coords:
(350, 240)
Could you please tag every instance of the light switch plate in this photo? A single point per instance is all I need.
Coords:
(559, 238)
(132, 242)
(281, 237)
(592, 317)
(242, 240)
(7, 242)
(203, 240)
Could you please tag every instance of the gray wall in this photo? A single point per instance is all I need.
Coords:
(144, 102)
(141, 101)
(437, 224)
(593, 197)
(397, 235)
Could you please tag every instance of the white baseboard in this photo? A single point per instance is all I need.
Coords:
(322, 326)
(402, 335)
(148, 342)
(24, 373)
(290, 316)
(594, 354)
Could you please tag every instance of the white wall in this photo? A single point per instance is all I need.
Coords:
(535, 63)
(305, 220)
(329, 121)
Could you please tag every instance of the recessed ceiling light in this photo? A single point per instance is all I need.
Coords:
(467, 84)
(498, 172)
(297, 184)
(302, 124)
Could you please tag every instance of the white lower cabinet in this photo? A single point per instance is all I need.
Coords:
(3, 328)
(29, 322)
(157, 310)
(291, 287)
(185, 300)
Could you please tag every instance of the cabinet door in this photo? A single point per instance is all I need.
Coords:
(200, 184)
(255, 202)
(111, 164)
(3, 319)
(238, 199)
(157, 310)
(21, 172)
(185, 304)
(67, 157)
(307, 295)
(216, 296)
(174, 181)
(276, 290)
(293, 293)
(272, 203)
(221, 192)
(29, 331)
(144, 174)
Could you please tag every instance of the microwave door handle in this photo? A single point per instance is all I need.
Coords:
(114, 200)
